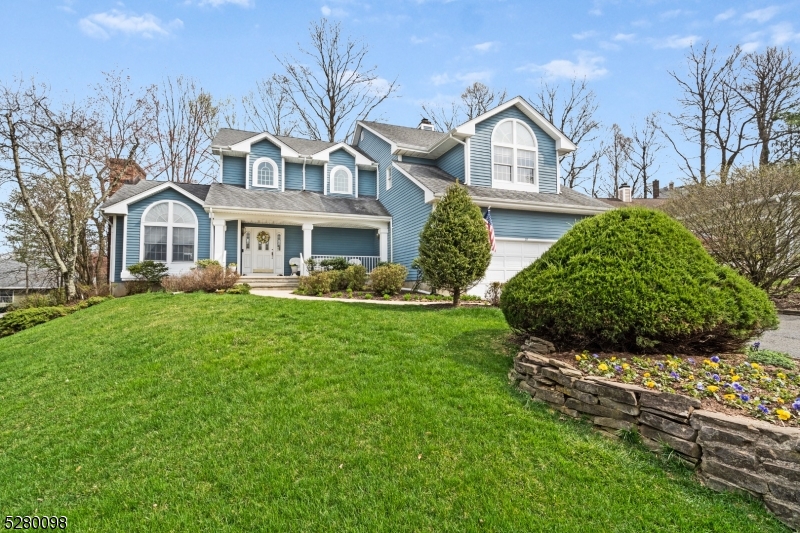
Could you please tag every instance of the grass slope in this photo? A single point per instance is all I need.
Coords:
(225, 413)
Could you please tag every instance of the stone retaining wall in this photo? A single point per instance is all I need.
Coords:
(731, 453)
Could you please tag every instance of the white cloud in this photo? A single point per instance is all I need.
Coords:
(751, 46)
(626, 37)
(784, 33)
(419, 40)
(676, 41)
(584, 35)
(464, 78)
(671, 14)
(217, 3)
(725, 15)
(641, 23)
(761, 15)
(104, 25)
(485, 47)
(588, 66)
(328, 11)
(596, 11)
(606, 45)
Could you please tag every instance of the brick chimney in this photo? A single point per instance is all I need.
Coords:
(624, 193)
(656, 188)
(131, 172)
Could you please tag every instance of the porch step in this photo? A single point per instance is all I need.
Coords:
(273, 282)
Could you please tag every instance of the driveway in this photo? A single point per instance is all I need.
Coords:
(786, 338)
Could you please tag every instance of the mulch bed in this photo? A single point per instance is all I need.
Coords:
(789, 303)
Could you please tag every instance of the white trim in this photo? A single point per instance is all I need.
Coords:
(220, 168)
(389, 177)
(247, 171)
(283, 174)
(360, 159)
(563, 144)
(124, 248)
(316, 218)
(515, 185)
(244, 146)
(325, 179)
(356, 191)
(520, 205)
(429, 195)
(121, 208)
(377, 181)
(526, 239)
(334, 170)
(169, 225)
(467, 162)
(256, 163)
(392, 145)
(238, 245)
(112, 254)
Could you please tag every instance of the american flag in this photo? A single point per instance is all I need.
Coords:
(490, 228)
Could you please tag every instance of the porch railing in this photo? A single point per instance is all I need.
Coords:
(368, 261)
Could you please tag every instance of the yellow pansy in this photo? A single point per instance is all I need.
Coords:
(783, 414)
(730, 397)
(650, 383)
(646, 375)
(602, 367)
(691, 377)
(613, 358)
(713, 365)
(577, 357)
(712, 388)
(780, 401)
(735, 378)
(625, 366)
(781, 375)
(755, 365)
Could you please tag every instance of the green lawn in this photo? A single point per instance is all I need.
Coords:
(241, 413)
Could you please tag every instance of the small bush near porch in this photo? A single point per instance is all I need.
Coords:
(203, 412)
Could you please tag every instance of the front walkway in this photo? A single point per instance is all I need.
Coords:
(277, 293)
(786, 338)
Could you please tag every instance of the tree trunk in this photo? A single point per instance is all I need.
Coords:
(456, 296)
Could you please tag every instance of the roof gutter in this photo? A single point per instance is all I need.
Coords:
(539, 206)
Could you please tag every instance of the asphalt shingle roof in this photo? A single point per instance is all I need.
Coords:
(407, 136)
(12, 275)
(231, 196)
(228, 136)
(128, 191)
(305, 146)
(437, 180)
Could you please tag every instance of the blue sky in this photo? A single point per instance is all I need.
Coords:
(435, 48)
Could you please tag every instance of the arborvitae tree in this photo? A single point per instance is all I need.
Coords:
(454, 249)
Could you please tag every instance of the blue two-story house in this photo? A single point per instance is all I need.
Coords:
(282, 200)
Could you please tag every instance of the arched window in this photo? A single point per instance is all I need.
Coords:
(514, 155)
(341, 180)
(265, 173)
(169, 233)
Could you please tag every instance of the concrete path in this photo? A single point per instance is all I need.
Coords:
(786, 338)
(277, 293)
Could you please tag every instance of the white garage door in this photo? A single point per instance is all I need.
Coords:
(511, 257)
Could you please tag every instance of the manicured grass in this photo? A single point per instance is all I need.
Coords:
(242, 413)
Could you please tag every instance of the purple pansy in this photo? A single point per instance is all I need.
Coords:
(756, 345)
(674, 375)
(796, 405)
(595, 355)
(744, 397)
(715, 377)
(691, 361)
(700, 386)
(737, 387)
(715, 359)
(763, 409)
(617, 368)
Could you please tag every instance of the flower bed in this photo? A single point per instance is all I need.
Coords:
(723, 382)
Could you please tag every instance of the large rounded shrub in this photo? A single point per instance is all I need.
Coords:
(635, 279)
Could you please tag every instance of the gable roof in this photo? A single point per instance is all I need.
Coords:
(128, 193)
(12, 275)
(233, 197)
(305, 146)
(409, 137)
(437, 181)
(228, 136)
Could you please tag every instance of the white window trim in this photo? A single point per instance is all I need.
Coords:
(514, 184)
(388, 177)
(333, 172)
(254, 177)
(169, 224)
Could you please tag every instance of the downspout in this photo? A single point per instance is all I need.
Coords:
(211, 244)
(304, 172)
(462, 143)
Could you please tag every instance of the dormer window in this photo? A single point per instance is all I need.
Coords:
(341, 180)
(265, 173)
(514, 156)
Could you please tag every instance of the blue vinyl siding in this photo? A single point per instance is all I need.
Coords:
(231, 240)
(264, 149)
(293, 246)
(341, 157)
(452, 162)
(344, 241)
(531, 224)
(418, 160)
(481, 147)
(118, 245)
(234, 170)
(294, 176)
(367, 183)
(404, 201)
(135, 218)
(314, 178)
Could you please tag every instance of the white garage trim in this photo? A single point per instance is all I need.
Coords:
(522, 239)
(513, 254)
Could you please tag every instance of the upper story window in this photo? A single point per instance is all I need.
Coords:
(389, 178)
(265, 173)
(169, 233)
(514, 156)
(341, 180)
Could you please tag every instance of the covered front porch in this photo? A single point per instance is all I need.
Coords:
(273, 244)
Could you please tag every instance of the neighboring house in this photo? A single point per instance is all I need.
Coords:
(16, 279)
(624, 197)
(283, 198)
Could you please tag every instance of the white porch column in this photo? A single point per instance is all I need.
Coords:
(383, 240)
(306, 247)
(218, 252)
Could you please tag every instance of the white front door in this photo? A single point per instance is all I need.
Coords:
(262, 250)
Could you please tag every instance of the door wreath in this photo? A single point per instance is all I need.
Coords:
(262, 237)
